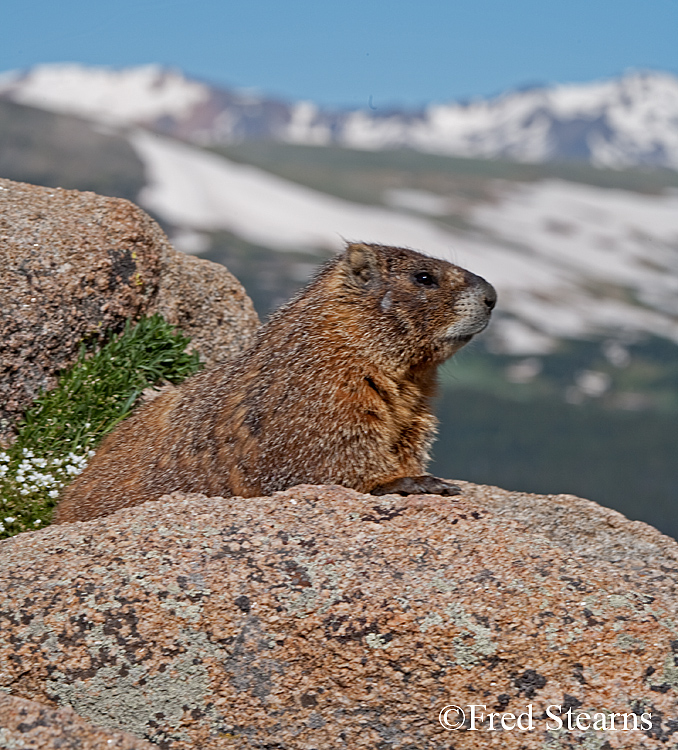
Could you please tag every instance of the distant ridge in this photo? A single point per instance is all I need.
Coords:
(622, 122)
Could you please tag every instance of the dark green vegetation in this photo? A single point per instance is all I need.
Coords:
(645, 379)
(56, 150)
(625, 460)
(66, 423)
(619, 448)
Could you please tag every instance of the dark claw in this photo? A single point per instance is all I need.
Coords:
(423, 485)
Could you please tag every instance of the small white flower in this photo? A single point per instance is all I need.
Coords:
(53, 493)
(37, 523)
(27, 453)
(10, 519)
(41, 480)
(2, 528)
(4, 457)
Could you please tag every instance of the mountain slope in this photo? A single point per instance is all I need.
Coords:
(569, 261)
(622, 122)
(56, 150)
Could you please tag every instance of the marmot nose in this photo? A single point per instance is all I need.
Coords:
(490, 296)
(485, 291)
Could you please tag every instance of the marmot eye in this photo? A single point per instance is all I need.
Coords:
(425, 278)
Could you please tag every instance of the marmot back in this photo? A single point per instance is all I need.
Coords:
(336, 389)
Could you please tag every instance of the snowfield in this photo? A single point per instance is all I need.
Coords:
(568, 260)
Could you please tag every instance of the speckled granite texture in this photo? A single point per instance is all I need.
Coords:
(27, 725)
(322, 618)
(73, 265)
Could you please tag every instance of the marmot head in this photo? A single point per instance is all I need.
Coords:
(432, 307)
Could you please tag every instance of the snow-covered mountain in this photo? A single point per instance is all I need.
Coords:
(623, 122)
(155, 97)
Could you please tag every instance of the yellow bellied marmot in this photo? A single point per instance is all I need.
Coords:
(336, 389)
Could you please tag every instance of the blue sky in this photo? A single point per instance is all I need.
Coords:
(343, 53)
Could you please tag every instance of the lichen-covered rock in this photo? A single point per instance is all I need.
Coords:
(322, 618)
(73, 265)
(27, 725)
(646, 558)
(207, 303)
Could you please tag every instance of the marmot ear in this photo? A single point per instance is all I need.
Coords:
(361, 263)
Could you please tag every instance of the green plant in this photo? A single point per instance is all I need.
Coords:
(63, 426)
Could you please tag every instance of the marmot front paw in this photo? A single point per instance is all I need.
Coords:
(423, 485)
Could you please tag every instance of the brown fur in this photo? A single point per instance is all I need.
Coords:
(336, 389)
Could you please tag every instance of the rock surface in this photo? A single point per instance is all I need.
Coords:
(73, 265)
(647, 559)
(27, 725)
(322, 618)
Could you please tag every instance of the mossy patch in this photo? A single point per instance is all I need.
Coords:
(63, 426)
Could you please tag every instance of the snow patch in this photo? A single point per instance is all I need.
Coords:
(118, 97)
